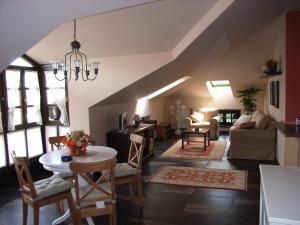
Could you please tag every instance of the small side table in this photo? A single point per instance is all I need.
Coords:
(163, 130)
(196, 136)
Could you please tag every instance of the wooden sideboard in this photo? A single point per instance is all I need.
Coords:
(120, 140)
(279, 195)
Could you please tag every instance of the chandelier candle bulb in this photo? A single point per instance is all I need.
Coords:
(75, 63)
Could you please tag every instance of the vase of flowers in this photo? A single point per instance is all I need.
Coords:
(77, 141)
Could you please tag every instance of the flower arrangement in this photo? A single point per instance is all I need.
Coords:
(77, 141)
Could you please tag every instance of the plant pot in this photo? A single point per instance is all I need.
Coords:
(75, 151)
(272, 69)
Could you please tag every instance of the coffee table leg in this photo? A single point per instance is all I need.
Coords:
(208, 138)
(182, 140)
(204, 141)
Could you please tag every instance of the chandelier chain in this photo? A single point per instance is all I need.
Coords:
(75, 38)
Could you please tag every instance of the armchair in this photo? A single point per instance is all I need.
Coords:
(211, 123)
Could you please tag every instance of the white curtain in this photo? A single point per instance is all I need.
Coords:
(37, 101)
(13, 101)
(1, 126)
(59, 99)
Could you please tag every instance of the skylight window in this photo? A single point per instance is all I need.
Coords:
(220, 83)
(21, 62)
(219, 88)
(168, 87)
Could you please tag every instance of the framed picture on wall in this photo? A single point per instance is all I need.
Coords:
(276, 94)
(271, 93)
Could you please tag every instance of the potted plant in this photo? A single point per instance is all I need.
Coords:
(77, 141)
(271, 65)
(247, 99)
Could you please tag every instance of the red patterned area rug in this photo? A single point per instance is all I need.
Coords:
(201, 177)
(194, 150)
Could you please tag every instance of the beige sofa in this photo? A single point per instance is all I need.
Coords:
(258, 143)
(210, 120)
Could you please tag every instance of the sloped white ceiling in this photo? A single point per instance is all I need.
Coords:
(233, 47)
(24, 23)
(145, 29)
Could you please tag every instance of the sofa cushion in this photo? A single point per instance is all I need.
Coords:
(197, 116)
(261, 120)
(243, 118)
(246, 125)
(209, 114)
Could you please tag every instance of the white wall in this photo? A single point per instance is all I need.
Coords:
(105, 118)
(115, 74)
(219, 103)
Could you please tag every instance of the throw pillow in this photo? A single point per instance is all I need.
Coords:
(197, 117)
(209, 114)
(242, 119)
(261, 120)
(246, 125)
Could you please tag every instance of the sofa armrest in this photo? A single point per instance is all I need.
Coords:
(215, 119)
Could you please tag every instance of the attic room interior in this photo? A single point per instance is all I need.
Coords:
(149, 112)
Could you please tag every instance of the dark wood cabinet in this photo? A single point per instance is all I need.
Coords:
(120, 140)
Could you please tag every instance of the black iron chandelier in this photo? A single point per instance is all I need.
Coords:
(75, 64)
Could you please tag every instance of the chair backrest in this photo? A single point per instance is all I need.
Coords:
(55, 141)
(24, 176)
(135, 156)
(95, 191)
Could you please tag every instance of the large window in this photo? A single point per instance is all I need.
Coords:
(26, 120)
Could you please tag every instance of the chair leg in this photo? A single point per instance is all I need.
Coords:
(131, 189)
(72, 209)
(59, 209)
(36, 215)
(140, 186)
(114, 215)
(110, 219)
(25, 212)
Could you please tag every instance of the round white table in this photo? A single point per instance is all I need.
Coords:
(52, 161)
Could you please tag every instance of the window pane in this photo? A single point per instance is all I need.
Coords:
(52, 82)
(220, 83)
(13, 97)
(35, 146)
(18, 117)
(21, 62)
(31, 115)
(32, 96)
(50, 132)
(13, 79)
(57, 94)
(16, 142)
(2, 152)
(31, 79)
(64, 130)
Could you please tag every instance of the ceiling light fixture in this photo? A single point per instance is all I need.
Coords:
(75, 63)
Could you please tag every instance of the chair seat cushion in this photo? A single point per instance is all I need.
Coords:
(66, 174)
(94, 194)
(124, 170)
(201, 124)
(51, 186)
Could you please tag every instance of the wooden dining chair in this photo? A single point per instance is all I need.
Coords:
(55, 141)
(98, 197)
(40, 193)
(131, 172)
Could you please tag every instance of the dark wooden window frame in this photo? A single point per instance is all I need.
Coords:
(25, 126)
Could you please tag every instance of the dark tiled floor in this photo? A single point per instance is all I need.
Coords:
(168, 204)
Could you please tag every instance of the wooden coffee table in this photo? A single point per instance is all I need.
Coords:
(196, 136)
